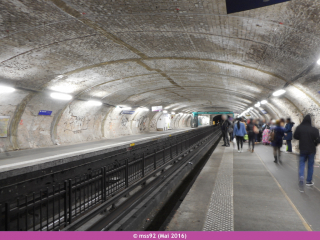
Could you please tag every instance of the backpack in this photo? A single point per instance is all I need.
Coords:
(230, 129)
(271, 136)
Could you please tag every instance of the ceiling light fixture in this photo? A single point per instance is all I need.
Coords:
(173, 113)
(61, 96)
(5, 89)
(264, 101)
(318, 62)
(165, 111)
(279, 92)
(126, 108)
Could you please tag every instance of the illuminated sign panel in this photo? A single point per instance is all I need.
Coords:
(156, 108)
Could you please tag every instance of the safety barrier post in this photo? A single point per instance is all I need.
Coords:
(155, 159)
(177, 147)
(104, 192)
(70, 201)
(143, 164)
(65, 203)
(127, 173)
(163, 155)
(7, 217)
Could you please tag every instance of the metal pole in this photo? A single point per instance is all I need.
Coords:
(127, 173)
(143, 165)
(7, 220)
(65, 203)
(70, 201)
(104, 198)
(164, 155)
(155, 159)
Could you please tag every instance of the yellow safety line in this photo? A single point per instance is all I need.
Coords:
(304, 222)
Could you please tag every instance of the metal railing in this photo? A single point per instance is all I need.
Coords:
(59, 204)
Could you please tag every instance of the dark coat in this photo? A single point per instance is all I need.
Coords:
(249, 129)
(278, 135)
(225, 125)
(307, 135)
(288, 131)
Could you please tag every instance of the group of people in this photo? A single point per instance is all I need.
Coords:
(274, 133)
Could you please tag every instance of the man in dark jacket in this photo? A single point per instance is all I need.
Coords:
(288, 134)
(308, 137)
(224, 129)
(277, 141)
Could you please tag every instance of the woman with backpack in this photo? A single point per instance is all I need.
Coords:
(239, 131)
(276, 140)
(252, 130)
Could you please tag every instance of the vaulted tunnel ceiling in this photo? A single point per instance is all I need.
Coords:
(145, 53)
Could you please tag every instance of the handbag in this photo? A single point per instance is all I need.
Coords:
(255, 130)
(246, 137)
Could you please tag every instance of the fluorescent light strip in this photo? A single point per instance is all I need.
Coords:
(94, 103)
(5, 89)
(279, 92)
(61, 96)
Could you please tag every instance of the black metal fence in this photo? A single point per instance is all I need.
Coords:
(59, 204)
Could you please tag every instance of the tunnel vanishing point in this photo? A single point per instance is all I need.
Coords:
(98, 58)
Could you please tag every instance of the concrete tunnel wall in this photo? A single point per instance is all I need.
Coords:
(123, 54)
(77, 122)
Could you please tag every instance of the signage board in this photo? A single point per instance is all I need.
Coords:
(4, 121)
(45, 112)
(234, 6)
(264, 111)
(156, 108)
(127, 112)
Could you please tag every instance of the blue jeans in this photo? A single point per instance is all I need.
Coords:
(289, 145)
(303, 158)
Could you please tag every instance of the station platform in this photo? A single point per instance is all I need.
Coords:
(27, 160)
(249, 192)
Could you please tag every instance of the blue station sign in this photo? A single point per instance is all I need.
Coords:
(127, 112)
(264, 111)
(45, 112)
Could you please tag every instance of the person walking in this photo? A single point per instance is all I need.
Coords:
(224, 129)
(288, 134)
(277, 141)
(230, 130)
(259, 135)
(239, 131)
(251, 129)
(265, 135)
(308, 137)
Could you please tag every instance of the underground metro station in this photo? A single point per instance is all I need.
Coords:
(126, 115)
